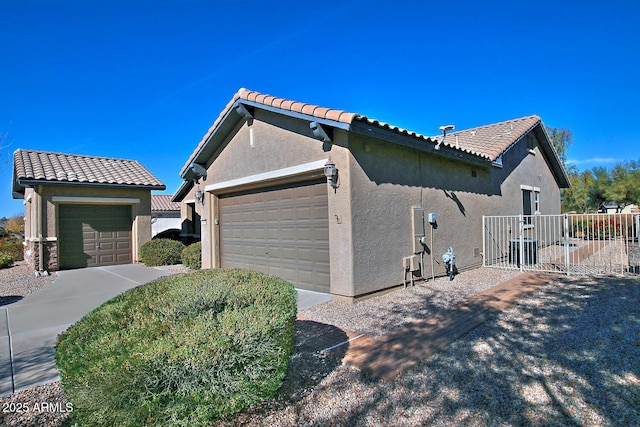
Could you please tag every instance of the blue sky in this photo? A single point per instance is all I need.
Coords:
(145, 79)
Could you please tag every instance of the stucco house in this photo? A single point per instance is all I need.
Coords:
(82, 211)
(337, 202)
(165, 216)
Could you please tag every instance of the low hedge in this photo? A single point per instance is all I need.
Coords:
(183, 350)
(13, 247)
(161, 252)
(192, 256)
(6, 260)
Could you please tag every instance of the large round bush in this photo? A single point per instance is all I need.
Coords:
(192, 256)
(183, 350)
(161, 252)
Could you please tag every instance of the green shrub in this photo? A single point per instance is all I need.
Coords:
(183, 350)
(13, 247)
(3, 232)
(192, 256)
(6, 260)
(161, 252)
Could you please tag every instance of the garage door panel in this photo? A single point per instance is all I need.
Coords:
(284, 232)
(94, 235)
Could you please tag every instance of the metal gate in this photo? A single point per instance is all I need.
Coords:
(589, 244)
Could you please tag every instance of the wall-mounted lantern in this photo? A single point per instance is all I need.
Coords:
(199, 195)
(331, 172)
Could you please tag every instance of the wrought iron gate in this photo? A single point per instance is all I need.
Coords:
(589, 244)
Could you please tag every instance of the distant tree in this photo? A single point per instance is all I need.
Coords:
(576, 198)
(15, 225)
(597, 192)
(624, 187)
(561, 139)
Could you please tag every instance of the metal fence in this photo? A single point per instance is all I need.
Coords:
(589, 244)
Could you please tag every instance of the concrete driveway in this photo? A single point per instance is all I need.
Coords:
(29, 327)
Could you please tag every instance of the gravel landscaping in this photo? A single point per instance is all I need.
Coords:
(569, 354)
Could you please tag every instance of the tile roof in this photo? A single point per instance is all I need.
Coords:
(340, 116)
(163, 203)
(492, 140)
(486, 142)
(30, 165)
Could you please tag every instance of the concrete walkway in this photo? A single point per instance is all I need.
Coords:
(29, 327)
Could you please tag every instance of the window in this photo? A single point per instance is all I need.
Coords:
(530, 202)
(526, 202)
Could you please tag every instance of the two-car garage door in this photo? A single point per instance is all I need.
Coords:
(94, 235)
(281, 231)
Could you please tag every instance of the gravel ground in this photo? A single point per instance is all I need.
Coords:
(569, 354)
(19, 281)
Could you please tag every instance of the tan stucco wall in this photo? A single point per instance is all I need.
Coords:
(265, 145)
(47, 208)
(391, 180)
(370, 221)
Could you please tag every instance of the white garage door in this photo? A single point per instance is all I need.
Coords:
(279, 231)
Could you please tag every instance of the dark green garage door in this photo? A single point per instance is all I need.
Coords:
(94, 235)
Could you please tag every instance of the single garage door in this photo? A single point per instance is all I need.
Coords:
(280, 231)
(94, 235)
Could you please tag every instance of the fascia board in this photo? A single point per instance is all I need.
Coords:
(297, 115)
(373, 131)
(31, 182)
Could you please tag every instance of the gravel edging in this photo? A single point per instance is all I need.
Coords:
(567, 354)
(20, 280)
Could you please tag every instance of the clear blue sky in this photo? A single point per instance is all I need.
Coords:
(145, 79)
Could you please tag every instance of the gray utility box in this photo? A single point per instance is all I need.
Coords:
(530, 252)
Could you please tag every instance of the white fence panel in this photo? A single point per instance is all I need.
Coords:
(590, 244)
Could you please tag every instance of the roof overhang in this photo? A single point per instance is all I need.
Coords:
(404, 138)
(231, 121)
(19, 185)
(558, 169)
(182, 191)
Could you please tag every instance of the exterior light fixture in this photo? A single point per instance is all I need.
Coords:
(331, 172)
(199, 196)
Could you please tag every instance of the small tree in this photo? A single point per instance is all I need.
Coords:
(624, 185)
(15, 225)
(561, 139)
(576, 198)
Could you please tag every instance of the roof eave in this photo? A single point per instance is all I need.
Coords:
(182, 191)
(422, 143)
(560, 173)
(230, 123)
(24, 183)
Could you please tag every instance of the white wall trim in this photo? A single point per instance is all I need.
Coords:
(96, 200)
(268, 176)
(43, 239)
